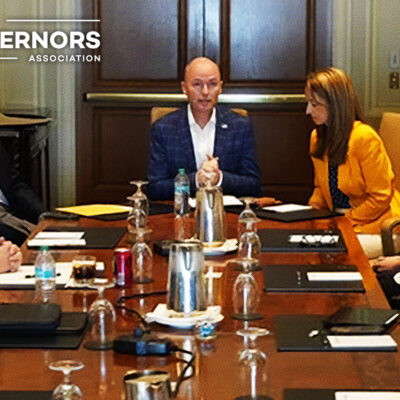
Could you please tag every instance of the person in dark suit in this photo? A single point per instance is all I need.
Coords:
(20, 208)
(209, 141)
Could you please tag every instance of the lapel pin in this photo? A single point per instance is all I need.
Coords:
(224, 126)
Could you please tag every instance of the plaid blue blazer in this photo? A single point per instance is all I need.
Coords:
(171, 148)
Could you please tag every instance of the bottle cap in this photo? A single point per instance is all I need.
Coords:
(181, 170)
(44, 248)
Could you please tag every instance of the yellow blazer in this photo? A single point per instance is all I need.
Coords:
(366, 178)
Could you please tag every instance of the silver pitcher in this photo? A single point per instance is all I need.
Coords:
(210, 215)
(186, 281)
(147, 385)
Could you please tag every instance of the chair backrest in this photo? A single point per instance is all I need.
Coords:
(158, 112)
(389, 131)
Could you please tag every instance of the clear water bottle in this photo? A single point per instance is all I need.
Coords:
(182, 191)
(45, 275)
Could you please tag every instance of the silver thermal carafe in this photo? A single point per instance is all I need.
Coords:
(186, 281)
(210, 215)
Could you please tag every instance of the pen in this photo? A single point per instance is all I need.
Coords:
(32, 276)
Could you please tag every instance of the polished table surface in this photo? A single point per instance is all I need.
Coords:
(218, 373)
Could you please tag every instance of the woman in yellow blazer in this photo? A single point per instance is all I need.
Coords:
(352, 170)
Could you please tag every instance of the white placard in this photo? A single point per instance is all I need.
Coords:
(285, 208)
(367, 396)
(334, 276)
(361, 341)
(314, 239)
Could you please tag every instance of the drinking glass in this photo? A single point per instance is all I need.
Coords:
(142, 260)
(83, 269)
(245, 216)
(246, 295)
(101, 318)
(249, 246)
(137, 219)
(252, 354)
(139, 199)
(247, 213)
(66, 390)
(253, 384)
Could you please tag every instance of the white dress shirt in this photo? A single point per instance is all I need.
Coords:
(203, 138)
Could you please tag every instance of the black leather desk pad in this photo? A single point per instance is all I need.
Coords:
(68, 335)
(321, 394)
(363, 316)
(293, 278)
(25, 395)
(277, 240)
(294, 216)
(155, 209)
(292, 334)
(96, 238)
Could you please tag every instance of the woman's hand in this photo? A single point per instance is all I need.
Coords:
(383, 264)
(315, 206)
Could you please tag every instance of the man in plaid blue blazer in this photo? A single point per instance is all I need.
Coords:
(208, 141)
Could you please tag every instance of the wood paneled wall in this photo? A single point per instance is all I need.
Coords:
(263, 46)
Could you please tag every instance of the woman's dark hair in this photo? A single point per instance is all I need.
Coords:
(335, 88)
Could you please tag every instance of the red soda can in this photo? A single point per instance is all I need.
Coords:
(123, 266)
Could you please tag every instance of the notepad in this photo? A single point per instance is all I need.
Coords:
(361, 341)
(284, 208)
(334, 276)
(367, 395)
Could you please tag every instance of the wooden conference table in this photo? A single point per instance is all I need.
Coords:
(218, 373)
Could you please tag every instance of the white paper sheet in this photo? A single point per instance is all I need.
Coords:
(59, 235)
(56, 242)
(362, 341)
(228, 201)
(284, 208)
(334, 276)
(367, 396)
(26, 275)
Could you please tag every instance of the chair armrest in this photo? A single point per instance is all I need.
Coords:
(387, 235)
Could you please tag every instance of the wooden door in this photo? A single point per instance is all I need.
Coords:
(264, 48)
